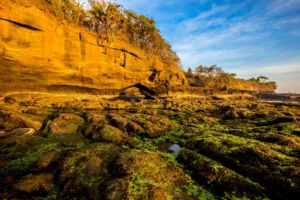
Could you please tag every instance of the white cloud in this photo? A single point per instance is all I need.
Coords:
(235, 32)
(213, 11)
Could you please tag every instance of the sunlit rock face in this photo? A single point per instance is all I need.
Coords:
(42, 51)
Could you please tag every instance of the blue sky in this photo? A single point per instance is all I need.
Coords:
(246, 37)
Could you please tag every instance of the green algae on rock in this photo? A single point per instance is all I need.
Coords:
(116, 154)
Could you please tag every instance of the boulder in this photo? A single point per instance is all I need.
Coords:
(48, 159)
(84, 172)
(105, 133)
(144, 175)
(65, 124)
(16, 120)
(42, 183)
(221, 179)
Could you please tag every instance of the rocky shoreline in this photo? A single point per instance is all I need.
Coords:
(66, 146)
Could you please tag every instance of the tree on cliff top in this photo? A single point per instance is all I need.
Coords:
(111, 21)
(189, 73)
(105, 15)
(214, 77)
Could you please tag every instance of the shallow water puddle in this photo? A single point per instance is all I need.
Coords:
(174, 148)
(168, 148)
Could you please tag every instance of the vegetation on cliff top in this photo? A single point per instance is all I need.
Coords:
(215, 78)
(110, 21)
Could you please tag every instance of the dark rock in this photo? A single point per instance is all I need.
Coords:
(48, 159)
(85, 172)
(144, 175)
(35, 184)
(9, 99)
(221, 179)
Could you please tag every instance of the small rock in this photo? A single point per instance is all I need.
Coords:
(118, 121)
(9, 99)
(48, 158)
(17, 132)
(133, 127)
(65, 124)
(8, 180)
(35, 111)
(168, 105)
(23, 131)
(105, 133)
(96, 118)
(18, 120)
(35, 183)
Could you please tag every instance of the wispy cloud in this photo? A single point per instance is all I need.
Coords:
(275, 69)
(217, 56)
(231, 32)
(213, 11)
(276, 7)
(293, 20)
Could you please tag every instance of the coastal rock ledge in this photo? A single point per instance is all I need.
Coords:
(44, 52)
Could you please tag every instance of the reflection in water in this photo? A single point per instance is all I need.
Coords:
(174, 148)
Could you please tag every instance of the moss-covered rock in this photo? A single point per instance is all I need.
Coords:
(145, 175)
(35, 184)
(65, 124)
(152, 126)
(48, 159)
(221, 179)
(95, 117)
(252, 151)
(85, 172)
(105, 133)
(252, 159)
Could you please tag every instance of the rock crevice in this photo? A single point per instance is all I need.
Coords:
(22, 25)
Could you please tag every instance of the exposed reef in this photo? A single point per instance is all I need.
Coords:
(69, 146)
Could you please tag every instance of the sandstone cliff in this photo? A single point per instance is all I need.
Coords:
(39, 51)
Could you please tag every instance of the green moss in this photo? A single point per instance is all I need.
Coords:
(219, 178)
(196, 191)
(144, 143)
(138, 186)
(23, 164)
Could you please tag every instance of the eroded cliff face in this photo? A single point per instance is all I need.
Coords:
(37, 50)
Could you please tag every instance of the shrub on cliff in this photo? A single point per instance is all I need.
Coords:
(111, 21)
(215, 78)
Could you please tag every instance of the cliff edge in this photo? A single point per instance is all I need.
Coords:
(38, 51)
